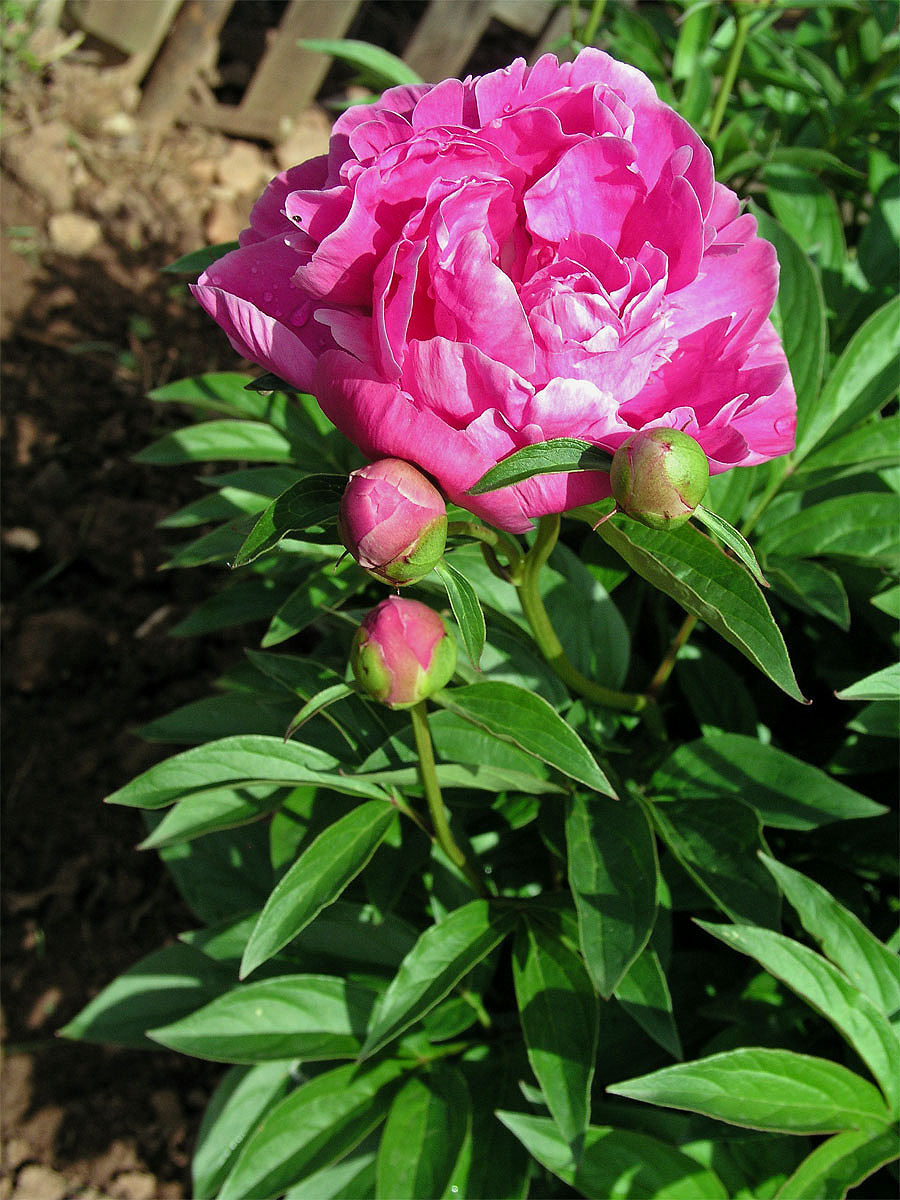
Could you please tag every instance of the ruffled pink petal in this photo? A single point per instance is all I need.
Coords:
(459, 382)
(267, 217)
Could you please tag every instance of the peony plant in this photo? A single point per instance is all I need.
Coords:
(522, 760)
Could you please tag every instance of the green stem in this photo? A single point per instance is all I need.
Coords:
(545, 635)
(492, 540)
(666, 666)
(735, 53)
(593, 22)
(433, 796)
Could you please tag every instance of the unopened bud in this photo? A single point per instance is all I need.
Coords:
(659, 476)
(393, 521)
(402, 652)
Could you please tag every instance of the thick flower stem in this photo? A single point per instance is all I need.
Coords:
(545, 635)
(492, 541)
(735, 53)
(433, 796)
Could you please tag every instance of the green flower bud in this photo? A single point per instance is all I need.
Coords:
(659, 476)
(402, 652)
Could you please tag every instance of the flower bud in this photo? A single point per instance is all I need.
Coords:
(659, 476)
(393, 521)
(402, 652)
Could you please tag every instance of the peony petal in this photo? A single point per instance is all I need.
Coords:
(459, 382)
(267, 217)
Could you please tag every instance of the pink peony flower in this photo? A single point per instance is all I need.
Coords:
(535, 253)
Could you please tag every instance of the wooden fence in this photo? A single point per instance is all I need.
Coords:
(181, 38)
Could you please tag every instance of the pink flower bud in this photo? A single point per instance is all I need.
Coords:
(659, 476)
(402, 652)
(393, 521)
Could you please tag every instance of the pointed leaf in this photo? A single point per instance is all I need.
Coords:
(323, 590)
(734, 540)
(440, 958)
(295, 1016)
(828, 991)
(692, 570)
(643, 992)
(330, 695)
(617, 1163)
(866, 961)
(312, 1128)
(352, 1178)
(238, 760)
(317, 878)
(786, 792)
(528, 721)
(466, 609)
(882, 685)
(839, 1164)
(559, 1014)
(612, 873)
(198, 260)
(865, 528)
(387, 67)
(251, 441)
(761, 1088)
(238, 1104)
(426, 1127)
(544, 458)
(311, 501)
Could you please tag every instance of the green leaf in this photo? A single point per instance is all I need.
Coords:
(322, 591)
(319, 702)
(386, 67)
(440, 958)
(426, 1127)
(868, 448)
(839, 1164)
(761, 1088)
(466, 609)
(643, 992)
(222, 392)
(863, 526)
(811, 587)
(881, 685)
(862, 381)
(529, 722)
(164, 986)
(238, 1104)
(786, 792)
(312, 1128)
(224, 808)
(735, 541)
(807, 209)
(544, 458)
(352, 1178)
(295, 1016)
(198, 260)
(612, 873)
(226, 715)
(688, 567)
(716, 842)
(311, 501)
(878, 719)
(317, 878)
(559, 1013)
(829, 992)
(799, 314)
(252, 441)
(616, 1164)
(242, 601)
(866, 961)
(235, 761)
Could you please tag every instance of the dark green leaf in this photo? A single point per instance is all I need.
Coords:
(716, 842)
(544, 458)
(761, 1088)
(219, 716)
(323, 590)
(688, 567)
(426, 1127)
(868, 448)
(841, 1163)
(529, 722)
(224, 808)
(296, 1016)
(829, 992)
(238, 1104)
(735, 541)
(808, 211)
(616, 1163)
(865, 528)
(786, 792)
(643, 992)
(198, 260)
(312, 1128)
(881, 685)
(164, 986)
(317, 878)
(440, 958)
(466, 609)
(612, 873)
(811, 587)
(311, 501)
(238, 760)
(559, 1013)
(252, 441)
(352, 1178)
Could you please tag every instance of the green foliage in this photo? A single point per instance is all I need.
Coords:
(641, 943)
